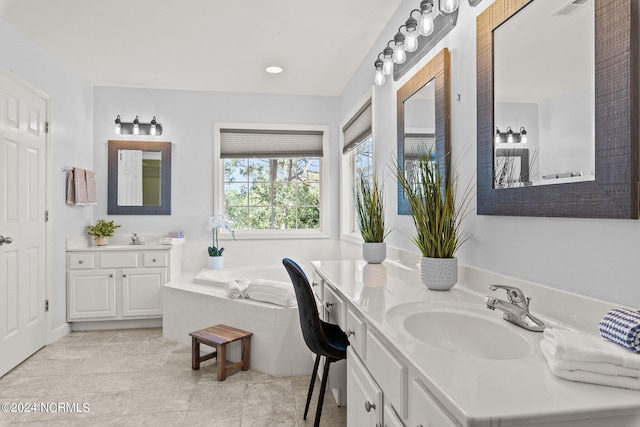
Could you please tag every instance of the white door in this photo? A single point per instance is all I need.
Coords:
(22, 208)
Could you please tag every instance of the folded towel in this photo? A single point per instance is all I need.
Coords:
(81, 186)
(570, 345)
(561, 370)
(622, 327)
(236, 289)
(71, 188)
(279, 293)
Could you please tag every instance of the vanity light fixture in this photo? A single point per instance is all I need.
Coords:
(136, 127)
(511, 137)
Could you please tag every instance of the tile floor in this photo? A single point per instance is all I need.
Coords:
(138, 378)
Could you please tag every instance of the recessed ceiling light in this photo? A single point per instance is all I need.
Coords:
(273, 69)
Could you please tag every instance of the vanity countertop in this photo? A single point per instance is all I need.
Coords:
(119, 242)
(477, 391)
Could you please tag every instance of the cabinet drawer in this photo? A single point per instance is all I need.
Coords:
(355, 330)
(389, 372)
(155, 260)
(364, 397)
(116, 260)
(335, 307)
(424, 409)
(81, 261)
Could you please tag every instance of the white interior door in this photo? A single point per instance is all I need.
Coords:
(22, 224)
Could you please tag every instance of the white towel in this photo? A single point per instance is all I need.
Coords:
(560, 369)
(236, 289)
(81, 186)
(279, 293)
(570, 345)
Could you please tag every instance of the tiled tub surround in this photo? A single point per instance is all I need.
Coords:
(277, 345)
(471, 391)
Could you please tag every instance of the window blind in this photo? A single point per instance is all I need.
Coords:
(268, 143)
(358, 128)
(418, 143)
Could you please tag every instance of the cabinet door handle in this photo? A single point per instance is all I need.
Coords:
(154, 260)
(328, 304)
(350, 332)
(314, 284)
(368, 406)
(80, 262)
(110, 275)
(124, 275)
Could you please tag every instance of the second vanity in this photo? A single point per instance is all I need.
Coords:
(442, 359)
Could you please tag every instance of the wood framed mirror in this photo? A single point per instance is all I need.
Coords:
(614, 191)
(139, 178)
(424, 111)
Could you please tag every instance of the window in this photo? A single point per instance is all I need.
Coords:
(272, 179)
(358, 155)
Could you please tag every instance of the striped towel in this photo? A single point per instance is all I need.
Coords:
(622, 327)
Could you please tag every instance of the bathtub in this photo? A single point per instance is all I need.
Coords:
(277, 345)
(220, 277)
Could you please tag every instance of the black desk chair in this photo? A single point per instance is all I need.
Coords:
(322, 338)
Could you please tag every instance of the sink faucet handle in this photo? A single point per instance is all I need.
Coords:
(514, 294)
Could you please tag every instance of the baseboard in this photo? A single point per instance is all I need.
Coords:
(116, 324)
(59, 332)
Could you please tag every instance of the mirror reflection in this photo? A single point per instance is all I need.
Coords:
(544, 122)
(139, 178)
(419, 126)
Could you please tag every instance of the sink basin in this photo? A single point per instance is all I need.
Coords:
(462, 329)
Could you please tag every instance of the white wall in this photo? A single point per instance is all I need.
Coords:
(188, 122)
(596, 257)
(70, 144)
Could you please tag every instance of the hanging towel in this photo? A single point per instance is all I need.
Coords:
(622, 327)
(71, 188)
(90, 180)
(81, 186)
(561, 370)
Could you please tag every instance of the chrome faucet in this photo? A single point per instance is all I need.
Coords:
(516, 310)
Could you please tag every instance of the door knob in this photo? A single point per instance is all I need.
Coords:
(6, 240)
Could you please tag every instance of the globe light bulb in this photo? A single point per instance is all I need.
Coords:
(387, 61)
(411, 42)
(399, 55)
(379, 78)
(426, 23)
(136, 126)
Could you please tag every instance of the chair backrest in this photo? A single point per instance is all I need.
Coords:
(308, 310)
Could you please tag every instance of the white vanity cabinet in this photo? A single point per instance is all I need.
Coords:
(112, 284)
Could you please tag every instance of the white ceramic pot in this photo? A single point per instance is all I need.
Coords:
(215, 262)
(102, 241)
(374, 253)
(439, 274)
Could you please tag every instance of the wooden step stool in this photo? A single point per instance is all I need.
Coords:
(219, 336)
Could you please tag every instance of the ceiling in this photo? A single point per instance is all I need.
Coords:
(210, 45)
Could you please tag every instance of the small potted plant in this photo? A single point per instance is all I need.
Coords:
(102, 231)
(431, 192)
(216, 261)
(369, 200)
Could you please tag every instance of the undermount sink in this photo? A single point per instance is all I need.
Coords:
(462, 329)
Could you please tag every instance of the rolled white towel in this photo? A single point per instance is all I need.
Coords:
(234, 289)
(244, 284)
(560, 369)
(279, 293)
(570, 345)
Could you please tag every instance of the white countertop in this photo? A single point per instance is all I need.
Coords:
(480, 392)
(119, 242)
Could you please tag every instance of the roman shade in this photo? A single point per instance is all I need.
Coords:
(268, 143)
(358, 128)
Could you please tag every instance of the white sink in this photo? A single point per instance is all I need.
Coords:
(463, 329)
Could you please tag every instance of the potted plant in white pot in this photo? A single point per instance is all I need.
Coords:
(102, 231)
(431, 193)
(369, 201)
(217, 221)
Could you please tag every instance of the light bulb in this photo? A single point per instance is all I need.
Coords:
(153, 129)
(411, 42)
(448, 6)
(379, 78)
(523, 135)
(387, 61)
(136, 126)
(399, 55)
(426, 23)
(118, 125)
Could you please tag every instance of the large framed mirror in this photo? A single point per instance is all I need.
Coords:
(139, 178)
(424, 110)
(575, 102)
